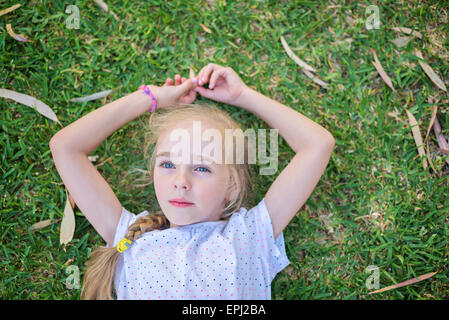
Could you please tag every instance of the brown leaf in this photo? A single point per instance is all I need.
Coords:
(67, 224)
(430, 73)
(417, 136)
(406, 283)
(91, 97)
(18, 37)
(5, 11)
(72, 202)
(205, 28)
(395, 115)
(408, 31)
(192, 73)
(73, 70)
(29, 101)
(442, 143)
(430, 160)
(41, 224)
(315, 78)
(381, 71)
(305, 68)
(401, 41)
(290, 53)
(434, 109)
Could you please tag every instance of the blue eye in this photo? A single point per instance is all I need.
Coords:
(163, 163)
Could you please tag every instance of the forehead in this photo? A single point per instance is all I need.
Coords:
(187, 137)
(193, 158)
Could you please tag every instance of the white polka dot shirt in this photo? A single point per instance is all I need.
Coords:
(221, 260)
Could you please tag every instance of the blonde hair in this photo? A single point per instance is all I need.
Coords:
(99, 276)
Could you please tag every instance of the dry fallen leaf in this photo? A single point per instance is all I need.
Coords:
(290, 53)
(395, 115)
(205, 28)
(305, 68)
(105, 8)
(18, 37)
(315, 78)
(30, 101)
(442, 143)
(69, 261)
(381, 71)
(434, 109)
(67, 224)
(406, 283)
(430, 73)
(430, 160)
(41, 224)
(73, 70)
(72, 202)
(192, 73)
(408, 31)
(417, 136)
(401, 41)
(91, 97)
(5, 11)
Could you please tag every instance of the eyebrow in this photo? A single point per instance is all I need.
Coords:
(167, 154)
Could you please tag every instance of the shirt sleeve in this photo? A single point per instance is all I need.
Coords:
(256, 228)
(126, 219)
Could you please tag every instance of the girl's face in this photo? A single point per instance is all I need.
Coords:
(200, 183)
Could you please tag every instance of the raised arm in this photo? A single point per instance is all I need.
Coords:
(70, 148)
(313, 145)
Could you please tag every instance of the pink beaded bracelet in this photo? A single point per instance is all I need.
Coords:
(147, 91)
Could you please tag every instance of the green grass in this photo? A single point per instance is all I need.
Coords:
(374, 205)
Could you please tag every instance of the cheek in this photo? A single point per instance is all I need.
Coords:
(160, 182)
(211, 193)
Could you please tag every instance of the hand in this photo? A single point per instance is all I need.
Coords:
(224, 84)
(169, 95)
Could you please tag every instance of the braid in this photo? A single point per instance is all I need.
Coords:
(145, 224)
(99, 277)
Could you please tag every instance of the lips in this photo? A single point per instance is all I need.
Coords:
(181, 201)
(180, 204)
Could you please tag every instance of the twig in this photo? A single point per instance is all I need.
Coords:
(406, 283)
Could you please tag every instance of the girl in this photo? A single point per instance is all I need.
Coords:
(203, 243)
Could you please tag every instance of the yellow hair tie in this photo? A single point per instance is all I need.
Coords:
(121, 246)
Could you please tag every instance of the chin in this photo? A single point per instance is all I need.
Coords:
(179, 222)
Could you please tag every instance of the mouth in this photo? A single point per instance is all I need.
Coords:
(180, 204)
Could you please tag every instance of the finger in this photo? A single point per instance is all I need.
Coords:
(205, 92)
(183, 80)
(188, 98)
(215, 75)
(169, 82)
(177, 79)
(184, 88)
(192, 95)
(204, 74)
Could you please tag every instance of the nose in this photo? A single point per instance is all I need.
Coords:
(181, 181)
